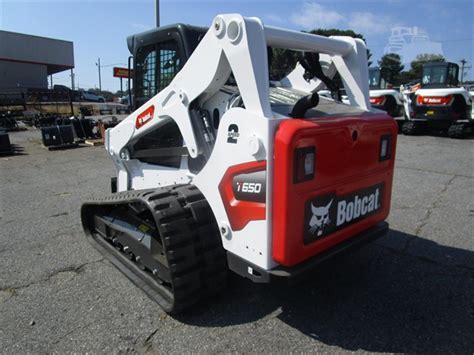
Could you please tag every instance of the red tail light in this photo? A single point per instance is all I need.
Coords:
(378, 101)
(434, 100)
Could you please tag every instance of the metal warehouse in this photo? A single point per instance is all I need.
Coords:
(26, 60)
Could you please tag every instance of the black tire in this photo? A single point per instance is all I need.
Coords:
(191, 241)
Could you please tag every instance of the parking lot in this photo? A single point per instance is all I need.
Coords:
(411, 291)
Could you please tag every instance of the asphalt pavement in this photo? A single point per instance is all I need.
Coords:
(411, 291)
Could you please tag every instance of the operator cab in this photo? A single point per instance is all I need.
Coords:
(440, 75)
(158, 55)
(378, 79)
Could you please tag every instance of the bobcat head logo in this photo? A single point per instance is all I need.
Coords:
(320, 219)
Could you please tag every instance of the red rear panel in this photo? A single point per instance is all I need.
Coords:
(349, 192)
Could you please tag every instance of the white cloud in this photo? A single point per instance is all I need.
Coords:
(368, 22)
(313, 15)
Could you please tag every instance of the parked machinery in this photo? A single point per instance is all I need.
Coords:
(66, 131)
(8, 122)
(438, 103)
(58, 136)
(384, 96)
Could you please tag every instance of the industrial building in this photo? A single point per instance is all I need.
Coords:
(26, 61)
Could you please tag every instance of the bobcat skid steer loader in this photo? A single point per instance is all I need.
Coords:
(439, 103)
(383, 96)
(223, 170)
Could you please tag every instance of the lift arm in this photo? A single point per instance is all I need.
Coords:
(238, 45)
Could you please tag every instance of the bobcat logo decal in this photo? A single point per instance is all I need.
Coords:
(320, 219)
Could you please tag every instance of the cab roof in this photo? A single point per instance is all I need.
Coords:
(156, 34)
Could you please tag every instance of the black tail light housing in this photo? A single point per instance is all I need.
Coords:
(385, 147)
(304, 164)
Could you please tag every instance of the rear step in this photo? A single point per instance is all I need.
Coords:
(165, 240)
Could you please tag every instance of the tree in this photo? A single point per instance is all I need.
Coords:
(406, 76)
(282, 61)
(391, 64)
(420, 59)
(337, 32)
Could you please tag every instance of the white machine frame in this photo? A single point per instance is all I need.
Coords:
(238, 45)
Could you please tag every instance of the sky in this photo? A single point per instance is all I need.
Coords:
(100, 28)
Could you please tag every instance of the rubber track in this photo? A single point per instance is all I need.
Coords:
(191, 240)
(460, 130)
(413, 128)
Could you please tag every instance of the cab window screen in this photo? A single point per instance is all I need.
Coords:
(169, 63)
(146, 73)
(452, 75)
(434, 75)
(155, 66)
(149, 75)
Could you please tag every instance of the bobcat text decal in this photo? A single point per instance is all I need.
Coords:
(328, 213)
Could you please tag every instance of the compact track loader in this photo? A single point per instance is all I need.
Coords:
(439, 103)
(222, 169)
(384, 96)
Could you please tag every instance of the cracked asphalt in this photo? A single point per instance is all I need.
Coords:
(411, 291)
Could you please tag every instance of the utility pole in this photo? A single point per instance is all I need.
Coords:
(51, 80)
(463, 63)
(100, 82)
(157, 12)
(72, 79)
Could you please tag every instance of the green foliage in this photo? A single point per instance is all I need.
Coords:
(406, 76)
(283, 60)
(420, 59)
(391, 65)
(337, 32)
(416, 67)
